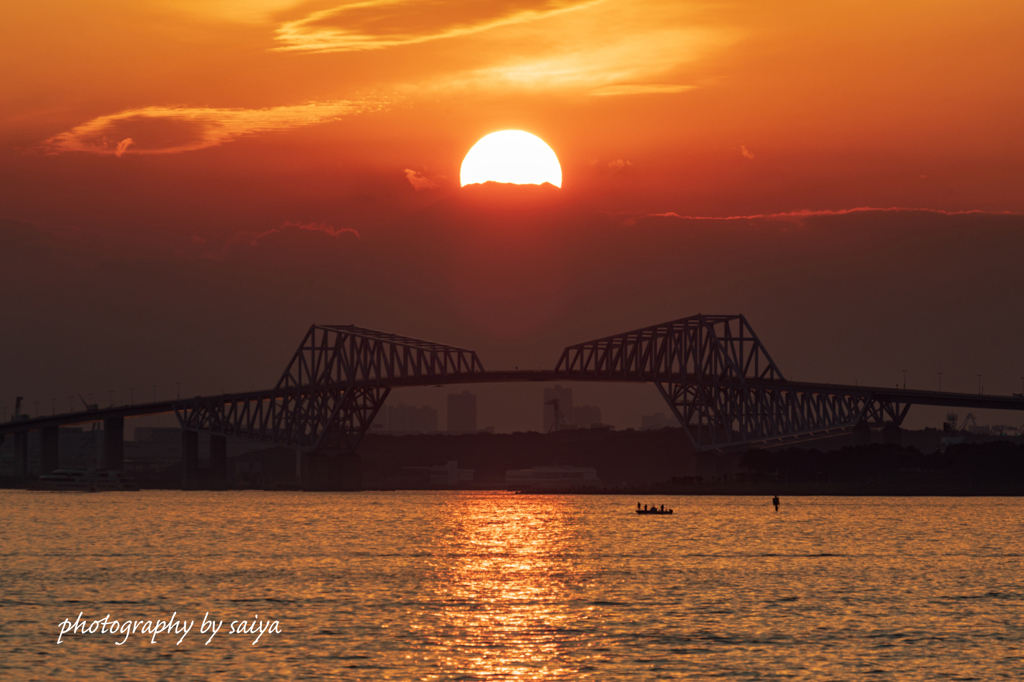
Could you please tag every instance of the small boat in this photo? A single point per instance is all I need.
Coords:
(653, 511)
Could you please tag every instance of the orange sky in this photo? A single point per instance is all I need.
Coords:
(866, 96)
(191, 133)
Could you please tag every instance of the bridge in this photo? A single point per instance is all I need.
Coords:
(714, 373)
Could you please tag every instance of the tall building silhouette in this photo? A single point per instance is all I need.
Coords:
(462, 412)
(408, 419)
(586, 416)
(570, 416)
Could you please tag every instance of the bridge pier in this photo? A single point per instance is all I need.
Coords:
(113, 444)
(190, 460)
(861, 434)
(21, 451)
(49, 449)
(892, 434)
(331, 471)
(219, 461)
(347, 472)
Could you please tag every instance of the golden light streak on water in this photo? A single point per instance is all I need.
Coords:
(494, 586)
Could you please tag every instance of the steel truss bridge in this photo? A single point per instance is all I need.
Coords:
(712, 370)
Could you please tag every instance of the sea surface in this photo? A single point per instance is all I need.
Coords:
(497, 586)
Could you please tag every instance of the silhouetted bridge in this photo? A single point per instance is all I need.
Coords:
(715, 374)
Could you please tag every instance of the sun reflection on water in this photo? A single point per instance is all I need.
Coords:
(505, 578)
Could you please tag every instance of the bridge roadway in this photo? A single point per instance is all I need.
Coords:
(896, 395)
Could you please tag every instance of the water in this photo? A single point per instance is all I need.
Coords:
(494, 586)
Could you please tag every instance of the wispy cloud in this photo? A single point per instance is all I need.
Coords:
(293, 227)
(122, 146)
(639, 89)
(169, 130)
(419, 181)
(638, 60)
(616, 167)
(602, 48)
(379, 24)
(804, 214)
(747, 154)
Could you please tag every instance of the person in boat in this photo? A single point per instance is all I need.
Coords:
(645, 506)
(662, 509)
(638, 506)
(775, 501)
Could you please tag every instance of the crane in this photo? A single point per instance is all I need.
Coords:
(558, 424)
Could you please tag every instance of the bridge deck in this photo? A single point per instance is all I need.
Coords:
(908, 396)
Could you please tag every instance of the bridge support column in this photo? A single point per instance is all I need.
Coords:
(892, 434)
(862, 434)
(331, 471)
(113, 444)
(315, 473)
(49, 448)
(21, 451)
(347, 472)
(219, 461)
(190, 460)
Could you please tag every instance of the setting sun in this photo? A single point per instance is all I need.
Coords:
(512, 156)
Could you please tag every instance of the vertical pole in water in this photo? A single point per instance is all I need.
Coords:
(190, 460)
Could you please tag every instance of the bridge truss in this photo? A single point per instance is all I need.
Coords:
(713, 371)
(722, 385)
(332, 389)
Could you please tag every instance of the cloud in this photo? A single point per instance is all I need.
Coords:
(291, 227)
(803, 214)
(639, 89)
(636, 60)
(746, 152)
(419, 181)
(122, 146)
(169, 130)
(379, 24)
(242, 11)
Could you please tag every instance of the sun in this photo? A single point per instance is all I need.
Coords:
(511, 156)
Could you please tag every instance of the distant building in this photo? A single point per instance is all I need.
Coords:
(447, 476)
(653, 422)
(406, 419)
(462, 412)
(570, 416)
(79, 448)
(158, 445)
(552, 478)
(586, 416)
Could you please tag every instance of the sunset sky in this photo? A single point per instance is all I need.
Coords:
(187, 185)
